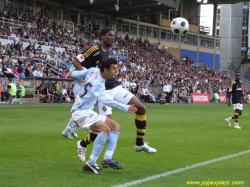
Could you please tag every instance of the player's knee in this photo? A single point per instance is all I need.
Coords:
(141, 109)
(105, 129)
(116, 128)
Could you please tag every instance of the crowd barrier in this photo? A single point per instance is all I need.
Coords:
(32, 83)
(200, 98)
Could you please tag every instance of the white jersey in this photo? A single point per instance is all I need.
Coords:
(92, 89)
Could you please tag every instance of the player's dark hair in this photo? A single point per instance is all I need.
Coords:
(237, 73)
(106, 63)
(103, 32)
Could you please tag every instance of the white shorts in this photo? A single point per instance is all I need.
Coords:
(85, 118)
(118, 94)
(238, 106)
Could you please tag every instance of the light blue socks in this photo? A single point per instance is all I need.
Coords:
(98, 146)
(112, 142)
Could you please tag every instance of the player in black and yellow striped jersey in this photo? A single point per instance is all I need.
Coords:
(236, 92)
(92, 57)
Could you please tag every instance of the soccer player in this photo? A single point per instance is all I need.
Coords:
(92, 57)
(236, 92)
(71, 126)
(85, 118)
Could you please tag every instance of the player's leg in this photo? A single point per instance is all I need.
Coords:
(236, 119)
(108, 160)
(238, 111)
(228, 120)
(101, 138)
(72, 128)
(141, 123)
(91, 121)
(82, 145)
(124, 96)
(88, 140)
(66, 131)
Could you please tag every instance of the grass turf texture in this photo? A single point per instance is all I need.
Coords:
(33, 152)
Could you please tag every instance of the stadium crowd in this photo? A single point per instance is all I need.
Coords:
(141, 61)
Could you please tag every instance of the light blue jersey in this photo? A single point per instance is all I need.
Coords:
(77, 83)
(92, 89)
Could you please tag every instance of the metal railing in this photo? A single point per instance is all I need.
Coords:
(43, 43)
(17, 23)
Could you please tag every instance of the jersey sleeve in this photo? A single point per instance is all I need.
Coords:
(80, 74)
(242, 94)
(101, 95)
(88, 57)
(80, 57)
(231, 87)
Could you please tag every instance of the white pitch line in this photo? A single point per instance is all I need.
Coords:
(181, 169)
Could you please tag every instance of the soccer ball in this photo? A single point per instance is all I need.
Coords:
(179, 26)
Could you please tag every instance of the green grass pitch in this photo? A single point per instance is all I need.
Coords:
(34, 154)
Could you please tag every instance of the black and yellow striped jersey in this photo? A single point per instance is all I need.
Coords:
(236, 91)
(93, 58)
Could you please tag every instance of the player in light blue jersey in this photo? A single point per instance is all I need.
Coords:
(71, 126)
(92, 57)
(85, 118)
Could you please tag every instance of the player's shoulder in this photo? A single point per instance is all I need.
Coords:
(93, 73)
(93, 69)
(233, 82)
(90, 50)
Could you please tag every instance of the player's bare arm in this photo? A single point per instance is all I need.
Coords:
(77, 64)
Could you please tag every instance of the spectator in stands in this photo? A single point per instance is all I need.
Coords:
(71, 93)
(35, 66)
(28, 70)
(147, 96)
(42, 94)
(7, 72)
(12, 51)
(63, 74)
(49, 74)
(161, 96)
(65, 94)
(39, 49)
(159, 47)
(134, 86)
(180, 95)
(38, 72)
(45, 72)
(15, 72)
(211, 96)
(50, 93)
(126, 37)
(167, 88)
(1, 70)
(22, 75)
(175, 97)
(56, 89)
